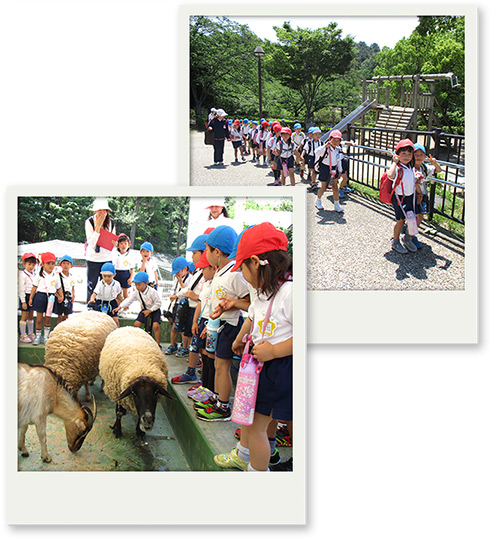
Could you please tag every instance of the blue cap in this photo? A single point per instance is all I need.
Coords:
(418, 146)
(178, 264)
(255, 122)
(310, 130)
(316, 130)
(297, 125)
(66, 257)
(192, 267)
(223, 238)
(237, 241)
(141, 277)
(245, 121)
(108, 267)
(147, 246)
(198, 244)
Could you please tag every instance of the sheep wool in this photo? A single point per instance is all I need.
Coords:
(74, 346)
(128, 354)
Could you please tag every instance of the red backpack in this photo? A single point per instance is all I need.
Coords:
(386, 186)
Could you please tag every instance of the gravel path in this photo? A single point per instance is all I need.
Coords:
(352, 250)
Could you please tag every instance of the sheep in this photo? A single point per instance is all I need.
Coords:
(74, 346)
(134, 372)
(40, 393)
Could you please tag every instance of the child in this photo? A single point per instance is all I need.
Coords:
(148, 264)
(263, 136)
(123, 262)
(310, 147)
(329, 163)
(220, 244)
(264, 263)
(406, 189)
(150, 303)
(180, 269)
(275, 160)
(65, 308)
(26, 277)
(236, 138)
(254, 140)
(246, 135)
(298, 138)
(107, 293)
(284, 150)
(46, 289)
(343, 188)
(422, 172)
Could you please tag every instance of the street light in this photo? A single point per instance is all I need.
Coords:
(259, 53)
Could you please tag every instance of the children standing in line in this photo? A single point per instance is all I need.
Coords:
(220, 244)
(150, 303)
(46, 289)
(65, 308)
(26, 278)
(266, 266)
(124, 264)
(148, 264)
(329, 163)
(107, 294)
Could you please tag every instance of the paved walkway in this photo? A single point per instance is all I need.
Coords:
(352, 250)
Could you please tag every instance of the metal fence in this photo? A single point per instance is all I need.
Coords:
(371, 157)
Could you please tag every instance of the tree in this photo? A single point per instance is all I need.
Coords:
(305, 59)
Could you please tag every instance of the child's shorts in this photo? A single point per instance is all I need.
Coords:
(407, 203)
(112, 305)
(188, 322)
(345, 165)
(155, 316)
(311, 161)
(27, 309)
(255, 145)
(236, 143)
(201, 343)
(122, 277)
(324, 174)
(226, 336)
(289, 161)
(275, 391)
(40, 302)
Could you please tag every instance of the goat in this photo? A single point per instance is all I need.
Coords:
(40, 393)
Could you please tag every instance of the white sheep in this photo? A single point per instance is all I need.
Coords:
(40, 393)
(134, 371)
(74, 346)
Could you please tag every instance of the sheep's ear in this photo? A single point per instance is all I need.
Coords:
(125, 394)
(164, 392)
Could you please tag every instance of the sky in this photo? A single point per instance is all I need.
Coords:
(385, 31)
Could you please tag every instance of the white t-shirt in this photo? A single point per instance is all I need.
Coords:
(298, 139)
(150, 296)
(123, 261)
(150, 268)
(197, 289)
(48, 283)
(280, 325)
(231, 284)
(421, 175)
(335, 157)
(107, 292)
(103, 255)
(408, 181)
(68, 281)
(25, 284)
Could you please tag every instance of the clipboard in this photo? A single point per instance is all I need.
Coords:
(105, 239)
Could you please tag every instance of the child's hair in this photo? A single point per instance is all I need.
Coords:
(122, 238)
(30, 259)
(224, 213)
(225, 254)
(273, 274)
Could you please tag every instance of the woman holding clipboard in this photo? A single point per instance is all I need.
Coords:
(100, 232)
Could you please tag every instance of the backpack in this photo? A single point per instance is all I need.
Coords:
(386, 186)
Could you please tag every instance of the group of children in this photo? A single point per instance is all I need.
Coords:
(236, 279)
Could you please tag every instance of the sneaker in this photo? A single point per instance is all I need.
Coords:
(338, 207)
(417, 243)
(25, 338)
(214, 413)
(398, 247)
(32, 336)
(37, 340)
(183, 352)
(347, 189)
(184, 379)
(238, 433)
(170, 350)
(318, 204)
(202, 405)
(407, 242)
(283, 466)
(200, 395)
(194, 387)
(230, 460)
(341, 193)
(275, 458)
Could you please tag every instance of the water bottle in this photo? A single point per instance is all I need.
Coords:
(412, 228)
(246, 390)
(49, 307)
(285, 169)
(212, 334)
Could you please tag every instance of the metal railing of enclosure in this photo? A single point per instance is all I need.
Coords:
(372, 156)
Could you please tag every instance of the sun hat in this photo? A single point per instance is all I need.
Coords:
(221, 112)
(178, 264)
(259, 239)
(108, 267)
(147, 246)
(404, 143)
(223, 238)
(213, 109)
(47, 257)
(100, 203)
(141, 277)
(198, 244)
(237, 241)
(418, 146)
(68, 258)
(335, 134)
(219, 201)
(25, 256)
(203, 261)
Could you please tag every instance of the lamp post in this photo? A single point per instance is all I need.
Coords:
(259, 53)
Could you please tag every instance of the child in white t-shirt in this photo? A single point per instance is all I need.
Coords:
(26, 277)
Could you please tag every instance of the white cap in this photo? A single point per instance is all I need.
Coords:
(221, 112)
(219, 201)
(213, 110)
(100, 204)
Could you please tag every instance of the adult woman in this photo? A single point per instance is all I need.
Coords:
(96, 256)
(221, 132)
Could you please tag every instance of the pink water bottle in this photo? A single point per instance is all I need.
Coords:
(246, 390)
(285, 168)
(49, 308)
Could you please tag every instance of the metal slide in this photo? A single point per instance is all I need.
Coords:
(350, 118)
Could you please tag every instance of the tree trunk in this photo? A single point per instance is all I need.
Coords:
(137, 206)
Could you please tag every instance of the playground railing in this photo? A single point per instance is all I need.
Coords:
(372, 155)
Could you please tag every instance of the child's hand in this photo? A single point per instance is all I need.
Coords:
(173, 297)
(263, 351)
(238, 347)
(116, 309)
(195, 329)
(204, 332)
(395, 158)
(146, 312)
(433, 160)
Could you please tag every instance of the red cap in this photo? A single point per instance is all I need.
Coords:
(286, 130)
(124, 236)
(203, 261)
(405, 143)
(236, 122)
(208, 230)
(336, 134)
(47, 257)
(259, 239)
(28, 255)
(277, 128)
(264, 123)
